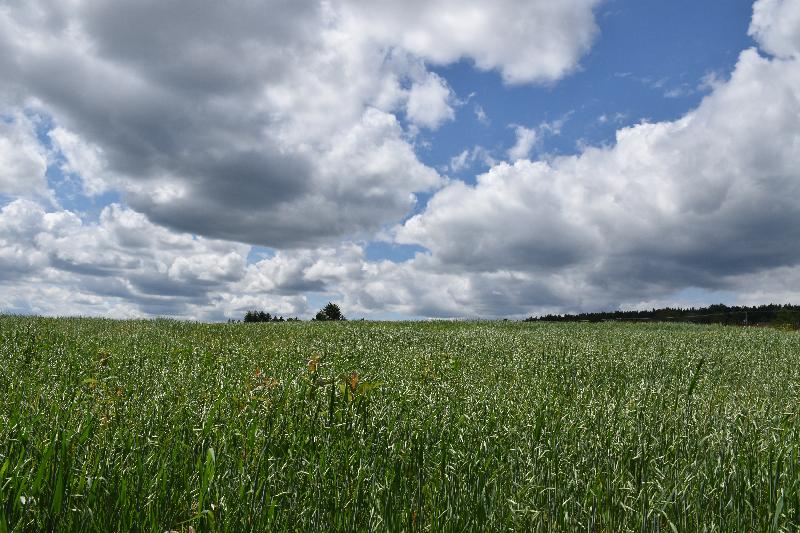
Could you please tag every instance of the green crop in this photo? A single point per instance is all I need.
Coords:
(163, 425)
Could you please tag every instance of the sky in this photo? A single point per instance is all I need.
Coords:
(407, 160)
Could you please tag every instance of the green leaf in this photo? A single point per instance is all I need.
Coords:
(367, 386)
(695, 377)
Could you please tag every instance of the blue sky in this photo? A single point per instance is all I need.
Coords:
(440, 159)
(648, 63)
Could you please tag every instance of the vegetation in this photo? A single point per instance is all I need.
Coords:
(330, 312)
(261, 316)
(163, 425)
(772, 314)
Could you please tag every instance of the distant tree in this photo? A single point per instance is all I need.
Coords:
(330, 312)
(261, 316)
(787, 317)
(771, 314)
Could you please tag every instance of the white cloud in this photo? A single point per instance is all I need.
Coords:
(363, 160)
(428, 102)
(460, 161)
(705, 201)
(51, 262)
(82, 159)
(615, 118)
(680, 91)
(297, 143)
(527, 41)
(467, 158)
(227, 123)
(776, 27)
(512, 219)
(481, 115)
(122, 264)
(23, 160)
(526, 140)
(710, 81)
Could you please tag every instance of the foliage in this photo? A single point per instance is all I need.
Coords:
(261, 316)
(714, 314)
(330, 312)
(163, 425)
(787, 317)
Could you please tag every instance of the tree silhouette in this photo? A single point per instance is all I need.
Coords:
(330, 312)
(261, 316)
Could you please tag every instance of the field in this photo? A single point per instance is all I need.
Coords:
(163, 425)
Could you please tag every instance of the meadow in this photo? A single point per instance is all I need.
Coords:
(163, 425)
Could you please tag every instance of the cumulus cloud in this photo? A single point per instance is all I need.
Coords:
(539, 41)
(23, 160)
(123, 265)
(776, 27)
(83, 160)
(428, 102)
(528, 138)
(229, 120)
(277, 124)
(704, 201)
(266, 123)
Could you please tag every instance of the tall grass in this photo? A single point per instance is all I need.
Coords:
(162, 425)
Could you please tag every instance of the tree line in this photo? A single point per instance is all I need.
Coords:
(261, 316)
(771, 314)
(331, 311)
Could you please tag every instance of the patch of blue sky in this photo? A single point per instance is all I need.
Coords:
(648, 63)
(67, 186)
(43, 124)
(397, 253)
(6, 199)
(317, 301)
(259, 253)
(68, 189)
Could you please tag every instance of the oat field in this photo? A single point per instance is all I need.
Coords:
(163, 425)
